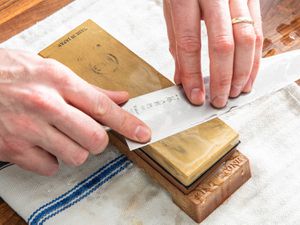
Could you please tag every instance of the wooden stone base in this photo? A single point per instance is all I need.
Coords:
(212, 191)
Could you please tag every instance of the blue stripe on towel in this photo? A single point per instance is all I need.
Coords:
(80, 191)
(116, 160)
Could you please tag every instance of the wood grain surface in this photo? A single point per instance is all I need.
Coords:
(281, 25)
(17, 15)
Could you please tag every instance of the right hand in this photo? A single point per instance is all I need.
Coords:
(49, 113)
(234, 49)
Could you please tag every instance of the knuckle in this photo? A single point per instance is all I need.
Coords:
(188, 77)
(62, 81)
(24, 128)
(241, 79)
(43, 101)
(246, 36)
(26, 124)
(127, 124)
(223, 44)
(98, 141)
(51, 64)
(103, 106)
(125, 118)
(225, 81)
(47, 67)
(177, 4)
(39, 101)
(243, 76)
(168, 2)
(21, 69)
(189, 43)
(55, 71)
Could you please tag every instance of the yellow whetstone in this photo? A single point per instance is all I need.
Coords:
(188, 154)
(101, 60)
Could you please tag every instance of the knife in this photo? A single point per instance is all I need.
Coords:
(167, 111)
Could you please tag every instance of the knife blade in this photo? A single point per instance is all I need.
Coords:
(167, 111)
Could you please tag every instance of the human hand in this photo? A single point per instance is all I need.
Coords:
(48, 113)
(234, 49)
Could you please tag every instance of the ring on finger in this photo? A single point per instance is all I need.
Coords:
(242, 19)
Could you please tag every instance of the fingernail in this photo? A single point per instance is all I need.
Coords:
(220, 101)
(196, 96)
(235, 90)
(142, 134)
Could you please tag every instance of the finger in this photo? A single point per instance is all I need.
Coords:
(254, 8)
(83, 96)
(221, 49)
(37, 160)
(186, 21)
(172, 44)
(104, 110)
(81, 128)
(74, 124)
(244, 38)
(62, 147)
(119, 97)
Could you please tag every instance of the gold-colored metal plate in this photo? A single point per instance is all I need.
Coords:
(103, 61)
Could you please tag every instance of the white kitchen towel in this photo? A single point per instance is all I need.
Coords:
(109, 189)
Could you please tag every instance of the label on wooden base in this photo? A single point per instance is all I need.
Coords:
(209, 194)
(213, 191)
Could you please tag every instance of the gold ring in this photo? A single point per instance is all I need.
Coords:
(242, 20)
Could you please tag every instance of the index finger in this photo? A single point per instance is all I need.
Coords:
(99, 106)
